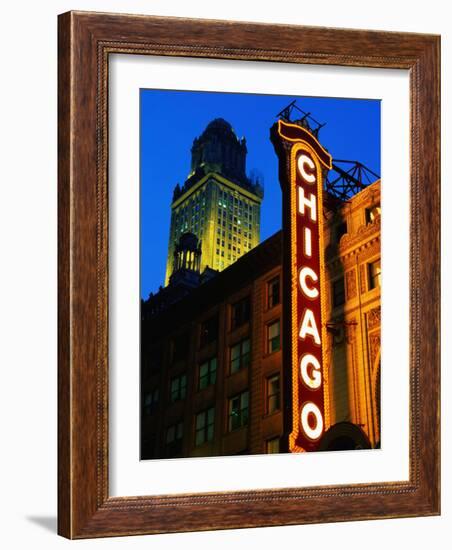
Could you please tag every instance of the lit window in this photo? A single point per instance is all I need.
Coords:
(338, 290)
(374, 270)
(240, 356)
(272, 445)
(178, 388)
(273, 337)
(204, 426)
(372, 213)
(238, 411)
(273, 394)
(207, 373)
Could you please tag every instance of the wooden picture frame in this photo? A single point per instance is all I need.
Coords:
(86, 40)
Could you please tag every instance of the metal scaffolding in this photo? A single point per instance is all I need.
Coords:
(347, 177)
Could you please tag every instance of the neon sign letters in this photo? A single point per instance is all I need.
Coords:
(302, 163)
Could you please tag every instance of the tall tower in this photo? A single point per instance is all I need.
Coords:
(218, 202)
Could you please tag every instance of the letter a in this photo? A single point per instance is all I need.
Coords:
(309, 327)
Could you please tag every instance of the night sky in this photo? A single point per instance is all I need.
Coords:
(170, 120)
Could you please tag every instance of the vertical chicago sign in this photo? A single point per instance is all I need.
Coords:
(302, 164)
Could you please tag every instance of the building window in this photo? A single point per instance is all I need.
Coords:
(173, 440)
(180, 347)
(341, 229)
(372, 213)
(178, 388)
(238, 411)
(240, 312)
(374, 270)
(272, 445)
(338, 290)
(273, 394)
(204, 426)
(150, 401)
(273, 289)
(240, 356)
(209, 331)
(273, 337)
(207, 373)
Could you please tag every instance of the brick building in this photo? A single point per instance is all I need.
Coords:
(212, 375)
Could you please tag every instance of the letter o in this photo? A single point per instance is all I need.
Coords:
(308, 409)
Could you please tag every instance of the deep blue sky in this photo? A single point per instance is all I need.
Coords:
(170, 120)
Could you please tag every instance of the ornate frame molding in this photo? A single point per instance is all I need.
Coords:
(85, 42)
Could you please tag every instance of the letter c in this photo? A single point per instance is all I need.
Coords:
(305, 273)
(303, 161)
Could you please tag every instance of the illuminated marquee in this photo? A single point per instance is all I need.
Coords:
(302, 163)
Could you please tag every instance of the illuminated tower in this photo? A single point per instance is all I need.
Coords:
(218, 202)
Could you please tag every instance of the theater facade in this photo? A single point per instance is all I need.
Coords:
(214, 376)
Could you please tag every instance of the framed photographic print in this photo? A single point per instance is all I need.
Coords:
(248, 275)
